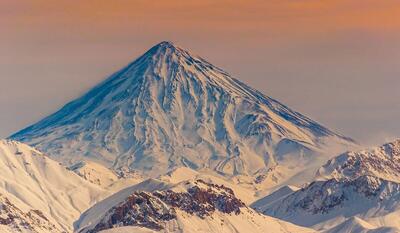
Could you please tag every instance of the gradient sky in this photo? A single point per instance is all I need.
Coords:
(335, 61)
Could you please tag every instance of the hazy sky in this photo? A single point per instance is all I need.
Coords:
(335, 61)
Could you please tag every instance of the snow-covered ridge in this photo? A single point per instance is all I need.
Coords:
(94, 173)
(190, 206)
(322, 201)
(151, 209)
(40, 194)
(277, 195)
(104, 177)
(170, 108)
(362, 186)
(383, 162)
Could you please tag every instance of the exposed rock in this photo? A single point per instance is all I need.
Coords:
(20, 221)
(152, 209)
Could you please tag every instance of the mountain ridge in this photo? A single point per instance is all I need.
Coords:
(355, 186)
(38, 194)
(189, 206)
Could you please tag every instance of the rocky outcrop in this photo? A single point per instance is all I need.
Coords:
(152, 209)
(382, 162)
(20, 221)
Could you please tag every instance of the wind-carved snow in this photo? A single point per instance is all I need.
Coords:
(169, 109)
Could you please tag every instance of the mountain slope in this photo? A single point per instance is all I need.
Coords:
(382, 162)
(105, 177)
(357, 225)
(190, 206)
(324, 202)
(15, 216)
(350, 189)
(38, 194)
(246, 193)
(95, 173)
(273, 197)
(170, 108)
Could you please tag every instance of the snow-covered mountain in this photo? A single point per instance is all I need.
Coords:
(382, 162)
(190, 206)
(37, 194)
(169, 109)
(331, 201)
(352, 188)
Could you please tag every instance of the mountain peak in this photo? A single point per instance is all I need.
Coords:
(167, 60)
(166, 44)
(165, 48)
(169, 109)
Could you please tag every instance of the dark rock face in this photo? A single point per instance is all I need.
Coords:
(18, 220)
(139, 209)
(203, 202)
(151, 210)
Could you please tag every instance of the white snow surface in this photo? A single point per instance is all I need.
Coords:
(104, 177)
(170, 108)
(357, 225)
(33, 182)
(219, 223)
(273, 197)
(248, 221)
(128, 230)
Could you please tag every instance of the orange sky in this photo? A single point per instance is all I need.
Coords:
(221, 17)
(322, 57)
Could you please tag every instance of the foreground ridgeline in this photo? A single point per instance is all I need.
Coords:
(189, 206)
(153, 209)
(39, 195)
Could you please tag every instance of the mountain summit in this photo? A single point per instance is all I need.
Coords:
(170, 108)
